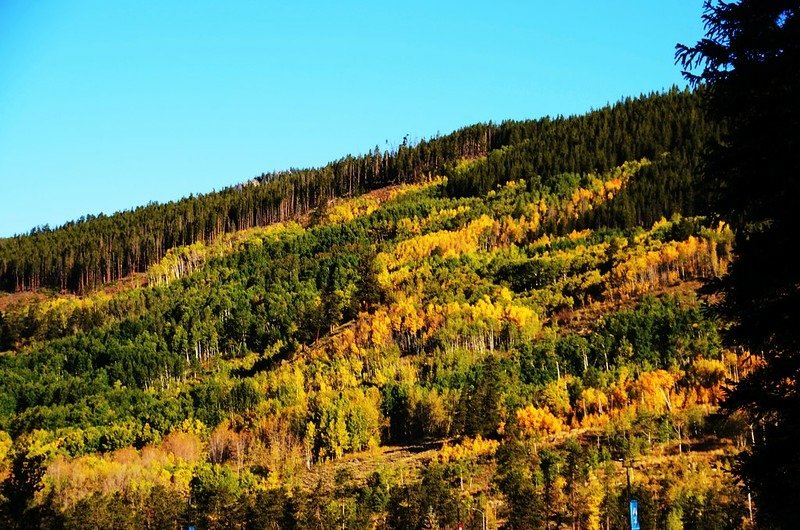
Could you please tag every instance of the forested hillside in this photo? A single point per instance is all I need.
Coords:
(505, 321)
(82, 255)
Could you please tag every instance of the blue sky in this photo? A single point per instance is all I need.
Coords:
(105, 106)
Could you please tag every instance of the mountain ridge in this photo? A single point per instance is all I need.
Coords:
(83, 255)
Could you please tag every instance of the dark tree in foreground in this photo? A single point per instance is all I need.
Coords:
(750, 62)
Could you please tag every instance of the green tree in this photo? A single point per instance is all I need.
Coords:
(520, 481)
(431, 502)
(482, 402)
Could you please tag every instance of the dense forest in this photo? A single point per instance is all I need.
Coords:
(497, 325)
(668, 129)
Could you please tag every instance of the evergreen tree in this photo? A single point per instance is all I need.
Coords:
(750, 62)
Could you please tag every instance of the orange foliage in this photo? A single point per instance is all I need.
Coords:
(534, 421)
(655, 390)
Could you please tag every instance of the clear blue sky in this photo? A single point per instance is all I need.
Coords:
(106, 105)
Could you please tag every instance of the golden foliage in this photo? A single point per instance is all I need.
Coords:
(448, 244)
(127, 470)
(655, 390)
(533, 421)
(179, 262)
(468, 448)
(650, 263)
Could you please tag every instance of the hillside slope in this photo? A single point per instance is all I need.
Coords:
(82, 255)
(399, 359)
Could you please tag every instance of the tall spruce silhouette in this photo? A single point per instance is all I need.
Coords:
(750, 62)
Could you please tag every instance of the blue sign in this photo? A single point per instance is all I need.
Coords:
(634, 508)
